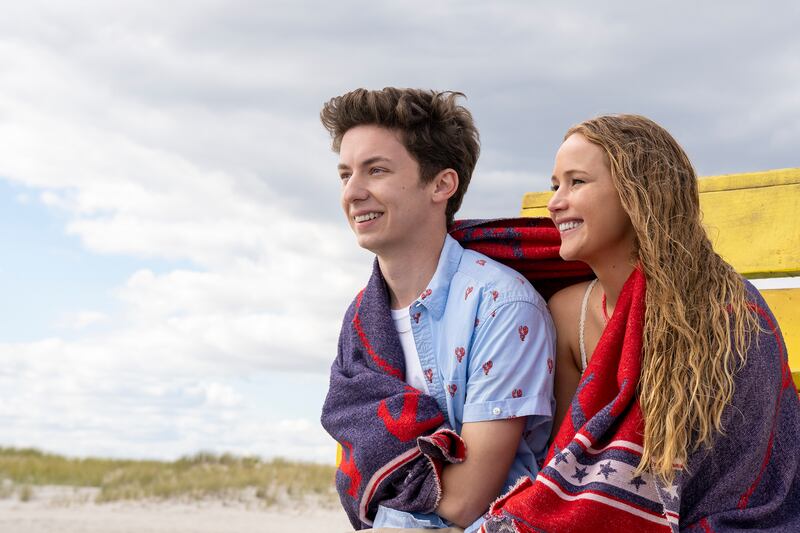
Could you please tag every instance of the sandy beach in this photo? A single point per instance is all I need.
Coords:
(72, 510)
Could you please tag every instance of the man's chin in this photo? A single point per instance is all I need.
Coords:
(367, 243)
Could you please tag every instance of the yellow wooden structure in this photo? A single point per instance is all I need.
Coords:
(754, 222)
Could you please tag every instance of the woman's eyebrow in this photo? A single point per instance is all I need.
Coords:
(576, 171)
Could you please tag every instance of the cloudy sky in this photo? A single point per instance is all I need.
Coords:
(174, 263)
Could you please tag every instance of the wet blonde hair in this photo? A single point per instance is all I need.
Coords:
(697, 318)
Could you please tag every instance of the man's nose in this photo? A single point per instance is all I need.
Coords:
(354, 190)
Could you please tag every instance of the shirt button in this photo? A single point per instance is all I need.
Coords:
(496, 411)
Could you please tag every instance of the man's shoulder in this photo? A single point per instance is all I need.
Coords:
(495, 281)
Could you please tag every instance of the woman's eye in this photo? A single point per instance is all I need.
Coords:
(577, 181)
(554, 187)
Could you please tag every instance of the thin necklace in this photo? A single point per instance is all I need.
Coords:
(605, 313)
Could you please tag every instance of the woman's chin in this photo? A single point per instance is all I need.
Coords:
(567, 254)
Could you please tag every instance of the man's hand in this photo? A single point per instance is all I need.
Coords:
(469, 487)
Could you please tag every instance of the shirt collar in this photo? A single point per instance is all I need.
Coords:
(434, 297)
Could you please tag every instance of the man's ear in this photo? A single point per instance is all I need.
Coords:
(445, 185)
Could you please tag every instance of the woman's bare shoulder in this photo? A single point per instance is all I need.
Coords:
(566, 303)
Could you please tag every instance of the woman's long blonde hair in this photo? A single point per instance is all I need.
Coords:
(697, 318)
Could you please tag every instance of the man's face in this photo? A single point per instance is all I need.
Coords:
(386, 205)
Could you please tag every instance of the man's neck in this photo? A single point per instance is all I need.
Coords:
(408, 273)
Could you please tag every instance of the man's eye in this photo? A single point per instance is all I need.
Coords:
(376, 170)
(344, 177)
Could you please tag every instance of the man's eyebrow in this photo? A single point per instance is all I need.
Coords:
(375, 159)
(367, 162)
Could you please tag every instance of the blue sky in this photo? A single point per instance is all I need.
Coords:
(175, 265)
(47, 272)
(40, 291)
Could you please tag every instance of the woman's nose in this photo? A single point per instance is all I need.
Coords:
(556, 202)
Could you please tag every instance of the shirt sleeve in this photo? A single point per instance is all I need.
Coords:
(511, 365)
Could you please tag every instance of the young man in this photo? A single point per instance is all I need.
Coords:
(476, 339)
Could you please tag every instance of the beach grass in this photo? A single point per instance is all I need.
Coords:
(204, 475)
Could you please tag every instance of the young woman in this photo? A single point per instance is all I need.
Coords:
(685, 415)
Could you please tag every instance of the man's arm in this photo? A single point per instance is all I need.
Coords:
(510, 378)
(469, 487)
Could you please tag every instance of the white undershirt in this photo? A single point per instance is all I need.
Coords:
(414, 375)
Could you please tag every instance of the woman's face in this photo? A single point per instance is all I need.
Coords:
(586, 207)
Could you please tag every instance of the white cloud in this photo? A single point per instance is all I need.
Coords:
(216, 394)
(82, 319)
(82, 400)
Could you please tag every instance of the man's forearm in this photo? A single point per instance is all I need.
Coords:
(469, 487)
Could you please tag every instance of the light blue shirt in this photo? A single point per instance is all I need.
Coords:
(486, 344)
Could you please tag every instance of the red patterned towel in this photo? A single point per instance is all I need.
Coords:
(528, 245)
(588, 482)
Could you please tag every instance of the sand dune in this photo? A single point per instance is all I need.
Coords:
(72, 510)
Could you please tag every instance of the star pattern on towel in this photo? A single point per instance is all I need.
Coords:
(561, 457)
(606, 470)
(580, 473)
(638, 482)
(672, 490)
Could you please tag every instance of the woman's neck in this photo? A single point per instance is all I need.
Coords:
(612, 275)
